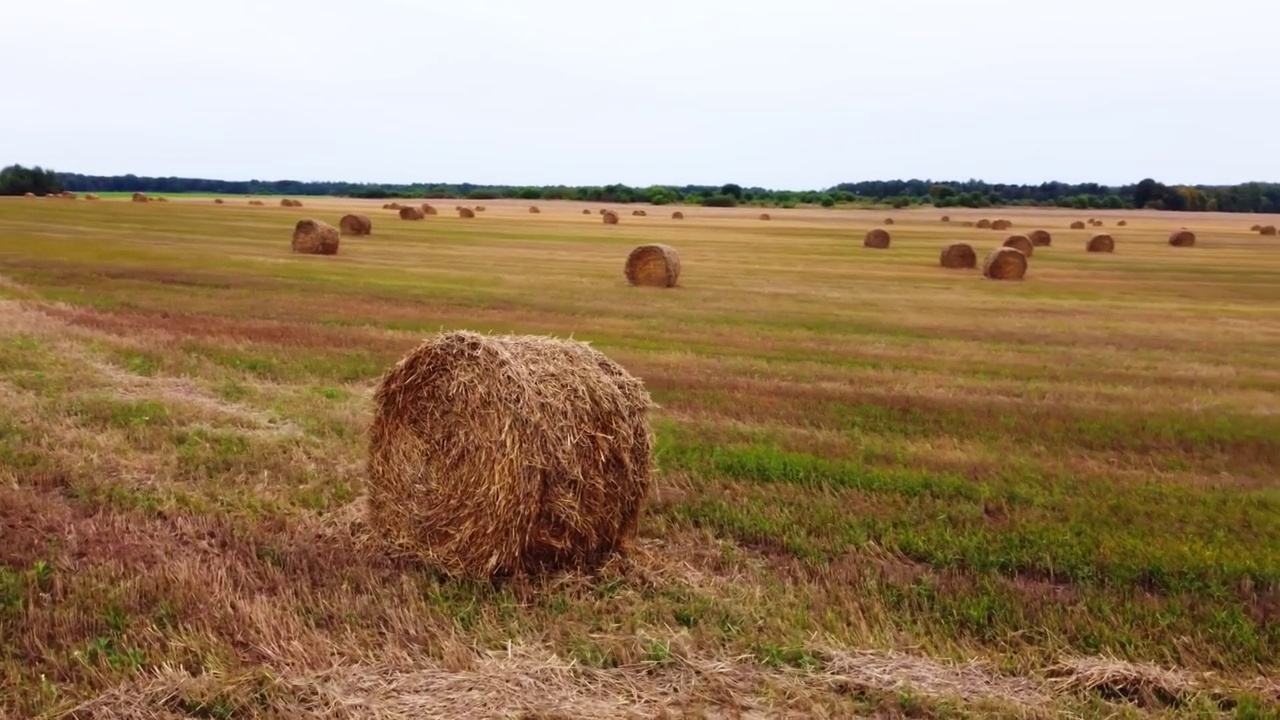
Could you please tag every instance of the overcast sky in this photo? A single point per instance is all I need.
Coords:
(799, 94)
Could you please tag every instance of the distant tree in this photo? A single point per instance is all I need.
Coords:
(828, 201)
(732, 190)
(1146, 191)
(941, 192)
(721, 200)
(1112, 202)
(661, 195)
(18, 180)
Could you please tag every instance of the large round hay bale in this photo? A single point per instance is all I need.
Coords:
(677, 215)
(610, 217)
(467, 213)
(1268, 230)
(984, 224)
(494, 457)
(315, 237)
(959, 255)
(1182, 238)
(355, 225)
(653, 266)
(533, 210)
(1001, 225)
(1101, 243)
(887, 221)
(1022, 243)
(765, 216)
(139, 197)
(1005, 263)
(409, 212)
(946, 218)
(878, 238)
(427, 209)
(1077, 225)
(1040, 238)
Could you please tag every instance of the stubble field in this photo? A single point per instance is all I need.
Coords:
(884, 488)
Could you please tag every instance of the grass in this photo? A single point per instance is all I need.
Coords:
(883, 488)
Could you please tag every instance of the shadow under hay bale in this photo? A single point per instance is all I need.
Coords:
(959, 256)
(1021, 243)
(1005, 263)
(878, 239)
(1101, 243)
(610, 217)
(492, 457)
(1040, 238)
(355, 225)
(315, 238)
(1182, 238)
(653, 266)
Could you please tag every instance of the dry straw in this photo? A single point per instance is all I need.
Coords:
(1005, 263)
(959, 255)
(1182, 238)
(877, 238)
(1255, 228)
(1101, 243)
(1021, 243)
(505, 456)
(355, 225)
(315, 237)
(653, 266)
(1040, 238)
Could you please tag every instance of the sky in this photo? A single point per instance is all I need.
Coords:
(801, 94)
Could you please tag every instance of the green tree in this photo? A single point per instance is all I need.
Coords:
(18, 180)
(735, 191)
(721, 200)
(828, 201)
(1146, 191)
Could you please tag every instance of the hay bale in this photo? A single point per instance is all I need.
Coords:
(533, 210)
(1005, 263)
(984, 224)
(409, 212)
(677, 215)
(610, 217)
(603, 211)
(427, 209)
(1077, 225)
(653, 266)
(467, 213)
(28, 194)
(494, 457)
(960, 256)
(946, 218)
(765, 216)
(355, 225)
(1098, 223)
(887, 221)
(637, 213)
(1040, 238)
(878, 238)
(968, 223)
(1123, 223)
(91, 196)
(1255, 228)
(1101, 243)
(315, 237)
(1001, 225)
(1022, 243)
(479, 208)
(1182, 238)
(290, 203)
(1268, 230)
(218, 201)
(586, 211)
(139, 197)
(161, 199)
(256, 202)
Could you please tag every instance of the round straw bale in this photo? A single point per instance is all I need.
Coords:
(355, 225)
(677, 215)
(1022, 243)
(315, 237)
(887, 221)
(28, 194)
(878, 238)
(1077, 225)
(1040, 238)
(1255, 228)
(67, 195)
(533, 210)
(984, 224)
(1101, 243)
(290, 203)
(765, 216)
(603, 211)
(959, 255)
(946, 218)
(1123, 223)
(610, 217)
(256, 202)
(586, 211)
(161, 199)
(409, 212)
(1005, 263)
(494, 457)
(637, 213)
(139, 197)
(467, 213)
(391, 206)
(219, 201)
(91, 196)
(1182, 238)
(427, 209)
(1001, 225)
(1268, 230)
(479, 208)
(968, 223)
(653, 266)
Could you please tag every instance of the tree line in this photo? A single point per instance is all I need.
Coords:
(1148, 193)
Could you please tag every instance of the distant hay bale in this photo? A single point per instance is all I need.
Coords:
(586, 211)
(1005, 263)
(653, 266)
(1182, 238)
(1256, 228)
(946, 218)
(610, 217)
(91, 196)
(1001, 225)
(603, 211)
(427, 209)
(218, 201)
(392, 206)
(494, 457)
(256, 202)
(878, 239)
(355, 225)
(315, 237)
(1123, 223)
(640, 213)
(1077, 225)
(409, 212)
(968, 223)
(887, 221)
(533, 210)
(1020, 242)
(479, 208)
(67, 195)
(28, 194)
(1268, 230)
(677, 215)
(960, 256)
(1099, 223)
(1040, 238)
(161, 199)
(984, 224)
(139, 197)
(290, 203)
(765, 216)
(467, 213)
(1101, 243)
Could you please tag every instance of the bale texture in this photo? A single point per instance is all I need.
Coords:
(355, 225)
(315, 237)
(1123, 223)
(586, 211)
(1267, 230)
(984, 224)
(1255, 228)
(765, 216)
(610, 217)
(218, 201)
(1022, 243)
(409, 212)
(653, 266)
(533, 210)
(1101, 243)
(493, 457)
(1077, 225)
(139, 197)
(1005, 263)
(1040, 238)
(946, 218)
(290, 203)
(959, 255)
(677, 215)
(887, 221)
(878, 238)
(1001, 225)
(467, 213)
(1182, 238)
